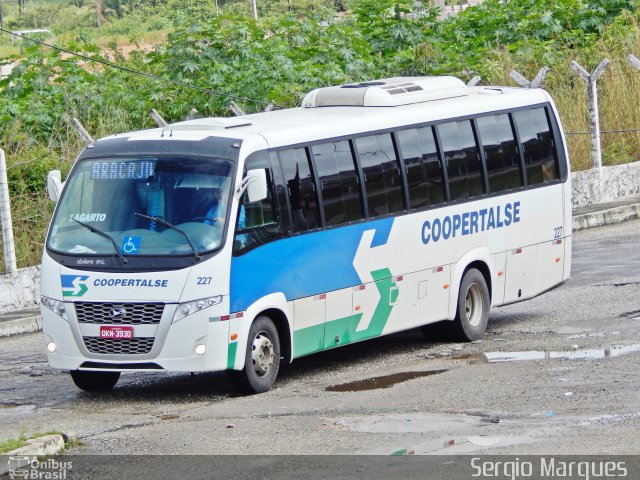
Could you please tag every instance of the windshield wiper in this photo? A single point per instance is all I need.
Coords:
(164, 223)
(104, 235)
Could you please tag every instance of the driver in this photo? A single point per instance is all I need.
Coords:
(216, 212)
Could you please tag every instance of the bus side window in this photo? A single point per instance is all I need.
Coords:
(538, 146)
(340, 190)
(424, 174)
(503, 159)
(383, 182)
(462, 159)
(256, 223)
(300, 189)
(280, 194)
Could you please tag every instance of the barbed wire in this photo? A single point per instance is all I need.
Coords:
(627, 130)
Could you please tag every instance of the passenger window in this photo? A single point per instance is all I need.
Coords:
(383, 182)
(424, 174)
(463, 161)
(501, 153)
(256, 223)
(538, 145)
(300, 189)
(339, 182)
(280, 194)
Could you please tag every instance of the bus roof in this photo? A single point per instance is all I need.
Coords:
(301, 125)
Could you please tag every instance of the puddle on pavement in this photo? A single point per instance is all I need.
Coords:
(384, 381)
(578, 354)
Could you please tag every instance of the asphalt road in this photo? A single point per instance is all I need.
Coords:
(572, 389)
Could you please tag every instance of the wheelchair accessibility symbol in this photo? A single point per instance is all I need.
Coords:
(130, 245)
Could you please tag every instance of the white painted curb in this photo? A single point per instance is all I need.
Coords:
(606, 217)
(21, 325)
(37, 447)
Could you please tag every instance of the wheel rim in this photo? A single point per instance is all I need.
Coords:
(473, 305)
(262, 354)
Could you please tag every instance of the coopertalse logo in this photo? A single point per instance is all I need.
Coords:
(74, 285)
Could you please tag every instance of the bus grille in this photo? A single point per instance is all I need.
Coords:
(120, 313)
(135, 346)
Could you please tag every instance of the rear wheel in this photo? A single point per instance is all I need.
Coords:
(94, 381)
(472, 313)
(262, 358)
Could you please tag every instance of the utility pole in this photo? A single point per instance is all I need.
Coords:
(255, 9)
(1, 19)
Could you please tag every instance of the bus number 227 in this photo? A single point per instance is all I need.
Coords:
(557, 232)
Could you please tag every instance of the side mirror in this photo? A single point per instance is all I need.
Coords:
(54, 184)
(255, 184)
(257, 189)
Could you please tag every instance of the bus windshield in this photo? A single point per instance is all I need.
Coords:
(164, 205)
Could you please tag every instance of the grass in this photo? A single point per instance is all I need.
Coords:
(21, 441)
(12, 444)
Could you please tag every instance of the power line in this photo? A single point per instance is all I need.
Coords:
(136, 72)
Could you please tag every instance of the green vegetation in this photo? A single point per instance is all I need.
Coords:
(294, 46)
(14, 443)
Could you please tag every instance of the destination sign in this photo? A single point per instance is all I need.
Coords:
(119, 170)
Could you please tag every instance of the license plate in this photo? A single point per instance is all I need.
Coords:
(116, 333)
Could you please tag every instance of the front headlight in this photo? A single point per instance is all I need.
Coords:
(189, 308)
(56, 306)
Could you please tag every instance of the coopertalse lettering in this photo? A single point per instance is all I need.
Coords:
(130, 282)
(470, 223)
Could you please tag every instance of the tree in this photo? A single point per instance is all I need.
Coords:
(1, 17)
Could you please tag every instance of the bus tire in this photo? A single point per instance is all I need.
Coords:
(262, 358)
(94, 381)
(474, 302)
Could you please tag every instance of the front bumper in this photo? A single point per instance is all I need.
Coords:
(173, 344)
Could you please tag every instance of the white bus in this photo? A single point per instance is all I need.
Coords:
(240, 243)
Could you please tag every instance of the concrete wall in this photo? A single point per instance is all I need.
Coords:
(592, 186)
(21, 290)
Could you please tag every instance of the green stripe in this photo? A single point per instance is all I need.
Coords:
(343, 330)
(231, 355)
(308, 340)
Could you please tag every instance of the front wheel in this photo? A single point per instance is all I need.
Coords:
(94, 381)
(262, 358)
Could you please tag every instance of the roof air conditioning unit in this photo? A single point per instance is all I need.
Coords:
(387, 92)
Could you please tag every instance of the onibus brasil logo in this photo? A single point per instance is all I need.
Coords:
(74, 285)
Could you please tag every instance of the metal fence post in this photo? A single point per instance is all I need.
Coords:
(158, 118)
(5, 219)
(594, 113)
(237, 111)
(535, 83)
(474, 81)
